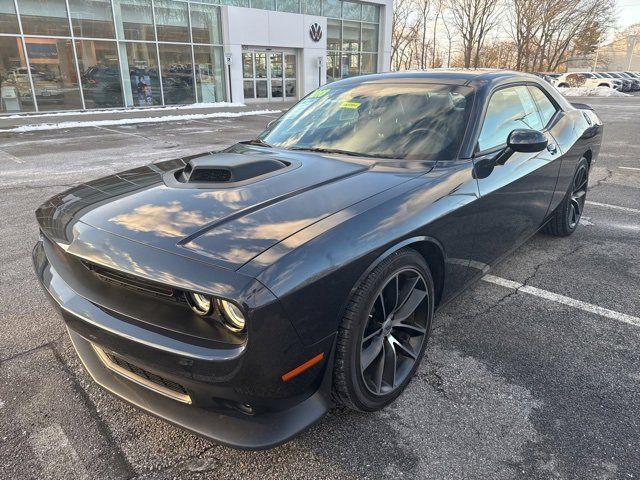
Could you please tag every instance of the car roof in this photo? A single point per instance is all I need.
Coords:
(470, 77)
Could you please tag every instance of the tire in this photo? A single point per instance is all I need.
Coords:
(402, 341)
(605, 85)
(564, 221)
(563, 85)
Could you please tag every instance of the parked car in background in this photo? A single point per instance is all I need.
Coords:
(101, 85)
(620, 84)
(626, 83)
(635, 82)
(586, 79)
(547, 77)
(46, 89)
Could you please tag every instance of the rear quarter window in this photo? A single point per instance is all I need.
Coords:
(545, 106)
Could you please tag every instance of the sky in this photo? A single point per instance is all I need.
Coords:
(628, 12)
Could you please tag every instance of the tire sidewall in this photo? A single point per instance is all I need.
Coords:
(567, 201)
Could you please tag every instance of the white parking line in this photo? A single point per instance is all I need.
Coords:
(630, 168)
(554, 297)
(614, 207)
(11, 157)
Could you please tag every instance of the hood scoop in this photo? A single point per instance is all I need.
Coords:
(226, 168)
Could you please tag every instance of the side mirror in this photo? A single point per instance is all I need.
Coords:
(524, 141)
(527, 141)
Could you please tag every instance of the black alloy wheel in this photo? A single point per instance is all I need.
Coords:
(578, 195)
(394, 335)
(384, 332)
(566, 217)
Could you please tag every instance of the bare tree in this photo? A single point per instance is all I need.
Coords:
(450, 35)
(473, 20)
(425, 6)
(564, 23)
(401, 27)
(439, 4)
(525, 21)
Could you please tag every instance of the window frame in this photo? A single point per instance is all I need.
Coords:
(553, 118)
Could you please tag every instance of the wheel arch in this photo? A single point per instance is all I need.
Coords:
(428, 247)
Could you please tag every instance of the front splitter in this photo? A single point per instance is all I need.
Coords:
(247, 432)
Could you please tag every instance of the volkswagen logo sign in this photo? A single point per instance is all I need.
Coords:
(315, 32)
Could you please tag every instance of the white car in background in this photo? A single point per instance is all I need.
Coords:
(587, 79)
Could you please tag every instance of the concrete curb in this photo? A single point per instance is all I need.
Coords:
(13, 121)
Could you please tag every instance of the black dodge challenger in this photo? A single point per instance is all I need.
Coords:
(239, 294)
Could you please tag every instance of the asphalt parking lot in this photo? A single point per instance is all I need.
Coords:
(518, 382)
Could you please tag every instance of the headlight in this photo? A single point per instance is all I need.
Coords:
(200, 304)
(233, 317)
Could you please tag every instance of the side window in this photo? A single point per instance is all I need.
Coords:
(546, 108)
(508, 109)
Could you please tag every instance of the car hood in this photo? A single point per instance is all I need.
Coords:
(225, 226)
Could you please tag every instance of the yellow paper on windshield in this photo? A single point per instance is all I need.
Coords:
(352, 105)
(318, 93)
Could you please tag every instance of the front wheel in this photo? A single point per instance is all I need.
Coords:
(566, 217)
(384, 332)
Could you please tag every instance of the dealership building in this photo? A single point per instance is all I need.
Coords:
(58, 55)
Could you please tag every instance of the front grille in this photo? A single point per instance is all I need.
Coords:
(143, 377)
(129, 281)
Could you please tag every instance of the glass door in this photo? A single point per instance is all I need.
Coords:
(275, 75)
(290, 77)
(269, 76)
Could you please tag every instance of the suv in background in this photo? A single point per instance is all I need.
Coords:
(102, 86)
(626, 83)
(635, 82)
(604, 79)
(587, 79)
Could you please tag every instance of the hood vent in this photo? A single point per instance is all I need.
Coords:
(227, 168)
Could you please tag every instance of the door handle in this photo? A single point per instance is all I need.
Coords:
(553, 149)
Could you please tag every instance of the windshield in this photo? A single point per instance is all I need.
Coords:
(409, 121)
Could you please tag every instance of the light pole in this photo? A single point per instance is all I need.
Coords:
(595, 63)
(633, 46)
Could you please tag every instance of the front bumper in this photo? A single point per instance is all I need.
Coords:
(231, 396)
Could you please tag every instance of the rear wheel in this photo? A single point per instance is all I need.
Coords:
(566, 217)
(384, 332)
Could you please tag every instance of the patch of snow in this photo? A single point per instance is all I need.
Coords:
(193, 106)
(131, 121)
(591, 92)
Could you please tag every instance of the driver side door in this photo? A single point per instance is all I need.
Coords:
(514, 197)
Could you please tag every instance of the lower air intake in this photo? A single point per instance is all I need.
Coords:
(143, 377)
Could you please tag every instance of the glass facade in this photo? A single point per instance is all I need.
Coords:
(352, 38)
(84, 54)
